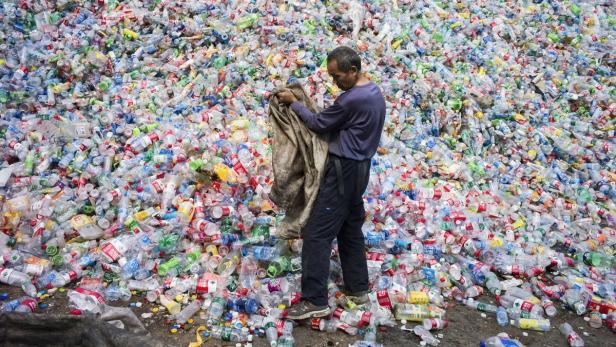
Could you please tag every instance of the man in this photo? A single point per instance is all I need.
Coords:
(354, 124)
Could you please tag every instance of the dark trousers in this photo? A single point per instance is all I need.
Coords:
(339, 213)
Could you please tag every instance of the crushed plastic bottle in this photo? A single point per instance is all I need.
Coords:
(573, 338)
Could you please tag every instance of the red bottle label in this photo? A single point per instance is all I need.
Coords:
(382, 296)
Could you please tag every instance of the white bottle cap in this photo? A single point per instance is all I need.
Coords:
(122, 261)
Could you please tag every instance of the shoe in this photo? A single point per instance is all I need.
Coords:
(357, 298)
(305, 309)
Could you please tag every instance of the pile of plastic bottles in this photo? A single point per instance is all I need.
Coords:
(136, 158)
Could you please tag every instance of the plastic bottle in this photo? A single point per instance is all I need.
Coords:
(435, 324)
(480, 306)
(416, 313)
(247, 305)
(229, 334)
(532, 324)
(286, 339)
(512, 302)
(356, 318)
(576, 299)
(501, 316)
(548, 307)
(321, 324)
(171, 305)
(16, 278)
(271, 333)
(216, 308)
(497, 341)
(23, 304)
(425, 335)
(86, 300)
(573, 338)
(344, 301)
(188, 311)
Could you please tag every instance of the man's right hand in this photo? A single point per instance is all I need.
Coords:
(286, 97)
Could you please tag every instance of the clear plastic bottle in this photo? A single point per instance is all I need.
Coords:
(425, 335)
(217, 308)
(188, 311)
(286, 339)
(497, 341)
(501, 316)
(16, 278)
(532, 324)
(573, 338)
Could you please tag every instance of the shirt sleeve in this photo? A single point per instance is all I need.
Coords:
(328, 120)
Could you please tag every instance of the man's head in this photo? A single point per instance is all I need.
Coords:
(344, 65)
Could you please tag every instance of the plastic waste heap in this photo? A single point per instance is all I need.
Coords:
(136, 159)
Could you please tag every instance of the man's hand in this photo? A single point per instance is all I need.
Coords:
(286, 97)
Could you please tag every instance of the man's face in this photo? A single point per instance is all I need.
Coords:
(344, 80)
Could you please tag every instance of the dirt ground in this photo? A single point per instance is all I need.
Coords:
(467, 327)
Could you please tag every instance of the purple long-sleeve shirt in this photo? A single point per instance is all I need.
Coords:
(354, 122)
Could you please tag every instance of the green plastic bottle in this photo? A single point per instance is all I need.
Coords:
(247, 21)
(600, 260)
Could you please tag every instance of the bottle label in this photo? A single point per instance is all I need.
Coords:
(524, 305)
(110, 252)
(31, 303)
(532, 324)
(67, 276)
(382, 296)
(416, 297)
(508, 343)
(91, 293)
(375, 256)
(346, 328)
(515, 270)
(157, 187)
(601, 306)
(364, 319)
(438, 324)
(201, 225)
(316, 324)
(296, 298)
(206, 286)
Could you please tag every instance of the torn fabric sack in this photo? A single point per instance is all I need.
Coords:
(298, 162)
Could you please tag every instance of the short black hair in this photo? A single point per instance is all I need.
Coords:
(346, 57)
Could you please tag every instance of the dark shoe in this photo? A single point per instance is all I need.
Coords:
(305, 309)
(357, 298)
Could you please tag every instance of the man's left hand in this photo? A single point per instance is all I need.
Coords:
(286, 97)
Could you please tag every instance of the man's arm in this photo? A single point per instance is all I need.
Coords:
(325, 121)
